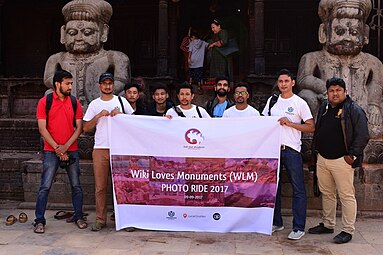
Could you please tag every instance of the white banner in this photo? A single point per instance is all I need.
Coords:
(217, 175)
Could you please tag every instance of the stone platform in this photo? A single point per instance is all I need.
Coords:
(368, 186)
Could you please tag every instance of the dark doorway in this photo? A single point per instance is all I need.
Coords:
(199, 14)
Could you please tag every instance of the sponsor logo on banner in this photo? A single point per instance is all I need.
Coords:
(171, 215)
(194, 138)
(216, 216)
(187, 216)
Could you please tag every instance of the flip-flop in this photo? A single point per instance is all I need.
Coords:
(39, 228)
(81, 224)
(60, 215)
(23, 217)
(10, 220)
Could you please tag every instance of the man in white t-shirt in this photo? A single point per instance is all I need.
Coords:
(293, 110)
(241, 107)
(186, 109)
(96, 116)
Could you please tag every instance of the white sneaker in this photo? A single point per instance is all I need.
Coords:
(277, 228)
(296, 235)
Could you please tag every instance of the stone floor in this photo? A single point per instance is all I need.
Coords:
(65, 238)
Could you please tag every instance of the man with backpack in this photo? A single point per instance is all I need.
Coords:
(59, 118)
(186, 109)
(96, 117)
(295, 118)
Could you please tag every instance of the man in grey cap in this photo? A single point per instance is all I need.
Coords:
(96, 116)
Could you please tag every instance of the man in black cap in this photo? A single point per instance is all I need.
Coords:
(96, 116)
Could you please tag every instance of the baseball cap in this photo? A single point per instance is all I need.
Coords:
(105, 76)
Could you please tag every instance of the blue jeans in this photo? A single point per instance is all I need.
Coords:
(50, 165)
(292, 161)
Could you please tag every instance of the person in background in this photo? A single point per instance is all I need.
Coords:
(219, 65)
(197, 49)
(185, 51)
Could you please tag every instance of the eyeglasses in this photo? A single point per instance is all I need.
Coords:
(242, 93)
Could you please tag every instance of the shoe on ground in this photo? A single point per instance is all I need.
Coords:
(320, 229)
(296, 235)
(98, 226)
(342, 237)
(130, 229)
(277, 228)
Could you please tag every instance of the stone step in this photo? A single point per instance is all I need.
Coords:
(20, 135)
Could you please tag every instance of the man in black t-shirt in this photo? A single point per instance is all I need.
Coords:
(341, 134)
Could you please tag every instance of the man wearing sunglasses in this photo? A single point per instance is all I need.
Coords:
(241, 107)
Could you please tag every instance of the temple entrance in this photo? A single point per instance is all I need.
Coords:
(199, 14)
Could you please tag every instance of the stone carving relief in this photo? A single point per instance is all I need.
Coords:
(84, 34)
(343, 33)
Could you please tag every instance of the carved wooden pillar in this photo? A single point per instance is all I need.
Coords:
(163, 33)
(1, 37)
(250, 10)
(259, 62)
(173, 46)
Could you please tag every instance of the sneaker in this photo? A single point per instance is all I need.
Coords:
(277, 228)
(98, 226)
(321, 229)
(130, 229)
(296, 235)
(342, 237)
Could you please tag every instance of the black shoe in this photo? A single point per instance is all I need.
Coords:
(342, 237)
(321, 229)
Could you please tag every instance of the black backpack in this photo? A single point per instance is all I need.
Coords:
(49, 105)
(273, 100)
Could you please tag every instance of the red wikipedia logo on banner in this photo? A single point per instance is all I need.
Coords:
(194, 136)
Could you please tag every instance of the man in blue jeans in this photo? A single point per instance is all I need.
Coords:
(59, 117)
(295, 119)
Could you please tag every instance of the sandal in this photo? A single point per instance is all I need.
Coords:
(39, 228)
(60, 215)
(98, 226)
(23, 217)
(10, 220)
(81, 224)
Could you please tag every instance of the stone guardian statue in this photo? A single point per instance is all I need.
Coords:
(343, 33)
(84, 33)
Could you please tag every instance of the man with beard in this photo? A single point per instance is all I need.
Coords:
(343, 33)
(60, 132)
(84, 34)
(186, 109)
(96, 116)
(162, 103)
(241, 107)
(221, 102)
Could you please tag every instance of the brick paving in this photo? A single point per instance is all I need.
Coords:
(65, 238)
